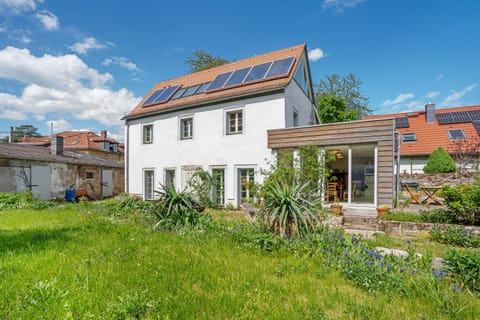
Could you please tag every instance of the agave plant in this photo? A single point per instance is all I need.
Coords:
(175, 208)
(288, 210)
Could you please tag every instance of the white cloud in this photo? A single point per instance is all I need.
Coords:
(399, 99)
(453, 99)
(25, 39)
(89, 44)
(73, 89)
(59, 125)
(340, 5)
(432, 94)
(440, 77)
(315, 54)
(121, 62)
(18, 6)
(49, 20)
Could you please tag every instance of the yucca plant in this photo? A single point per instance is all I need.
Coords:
(175, 208)
(288, 210)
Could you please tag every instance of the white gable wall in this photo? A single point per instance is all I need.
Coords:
(210, 146)
(296, 101)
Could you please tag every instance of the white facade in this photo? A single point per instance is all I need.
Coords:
(211, 146)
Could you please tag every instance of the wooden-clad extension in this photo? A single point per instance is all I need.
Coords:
(379, 132)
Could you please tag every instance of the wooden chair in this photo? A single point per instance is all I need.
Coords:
(415, 196)
(332, 191)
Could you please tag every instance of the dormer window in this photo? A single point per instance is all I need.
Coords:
(106, 145)
(456, 134)
(409, 137)
(114, 147)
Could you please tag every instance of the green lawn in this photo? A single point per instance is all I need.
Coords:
(73, 262)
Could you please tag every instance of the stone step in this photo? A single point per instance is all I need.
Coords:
(363, 233)
(360, 223)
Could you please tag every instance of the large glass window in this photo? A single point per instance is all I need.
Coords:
(148, 134)
(169, 177)
(246, 180)
(149, 184)
(234, 122)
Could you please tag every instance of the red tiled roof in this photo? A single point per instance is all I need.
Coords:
(74, 140)
(430, 136)
(210, 74)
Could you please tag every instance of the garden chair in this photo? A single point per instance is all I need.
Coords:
(332, 191)
(415, 196)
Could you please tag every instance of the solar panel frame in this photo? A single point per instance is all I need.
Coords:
(167, 94)
(276, 67)
(191, 90)
(179, 93)
(203, 87)
(445, 118)
(219, 81)
(153, 96)
(237, 77)
(258, 72)
(402, 122)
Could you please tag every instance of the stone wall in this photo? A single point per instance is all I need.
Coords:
(440, 179)
(412, 229)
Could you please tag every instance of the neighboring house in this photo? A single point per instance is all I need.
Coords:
(84, 141)
(453, 129)
(48, 172)
(217, 120)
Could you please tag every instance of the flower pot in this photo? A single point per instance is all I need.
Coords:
(381, 211)
(336, 209)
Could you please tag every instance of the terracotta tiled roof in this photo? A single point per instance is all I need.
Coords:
(210, 74)
(430, 136)
(74, 140)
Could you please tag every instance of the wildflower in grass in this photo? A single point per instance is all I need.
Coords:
(402, 270)
(439, 274)
(409, 242)
(456, 289)
(413, 272)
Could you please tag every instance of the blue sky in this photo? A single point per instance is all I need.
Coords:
(83, 64)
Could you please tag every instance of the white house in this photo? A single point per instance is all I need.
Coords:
(217, 120)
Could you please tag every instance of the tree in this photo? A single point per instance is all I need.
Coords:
(333, 109)
(440, 161)
(22, 131)
(201, 60)
(345, 87)
(466, 153)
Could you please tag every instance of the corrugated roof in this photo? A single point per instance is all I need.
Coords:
(210, 74)
(430, 136)
(29, 152)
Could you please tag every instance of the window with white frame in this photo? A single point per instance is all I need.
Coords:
(409, 137)
(148, 134)
(186, 128)
(456, 134)
(234, 122)
(148, 184)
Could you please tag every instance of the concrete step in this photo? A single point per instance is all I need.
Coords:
(360, 223)
(363, 233)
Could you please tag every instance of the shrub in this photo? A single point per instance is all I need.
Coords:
(22, 200)
(129, 205)
(464, 267)
(455, 236)
(464, 201)
(402, 216)
(440, 161)
(438, 216)
(289, 212)
(175, 208)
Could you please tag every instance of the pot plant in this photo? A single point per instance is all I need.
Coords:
(382, 210)
(336, 209)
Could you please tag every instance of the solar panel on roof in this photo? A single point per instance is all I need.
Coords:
(219, 81)
(154, 96)
(166, 94)
(258, 72)
(280, 67)
(476, 124)
(474, 115)
(191, 90)
(402, 122)
(203, 87)
(179, 93)
(237, 77)
(445, 118)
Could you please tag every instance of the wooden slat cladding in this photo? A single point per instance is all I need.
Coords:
(379, 132)
(333, 134)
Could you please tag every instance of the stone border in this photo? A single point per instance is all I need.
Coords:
(412, 229)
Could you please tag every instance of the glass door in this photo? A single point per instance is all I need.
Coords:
(362, 175)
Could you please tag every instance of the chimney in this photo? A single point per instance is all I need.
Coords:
(103, 133)
(56, 146)
(10, 136)
(430, 112)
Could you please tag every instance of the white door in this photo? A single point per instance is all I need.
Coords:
(41, 182)
(107, 183)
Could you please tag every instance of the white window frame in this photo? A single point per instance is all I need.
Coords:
(412, 134)
(452, 138)
(227, 113)
(181, 121)
(145, 137)
(165, 175)
(150, 196)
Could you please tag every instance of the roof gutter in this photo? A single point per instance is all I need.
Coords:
(209, 102)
